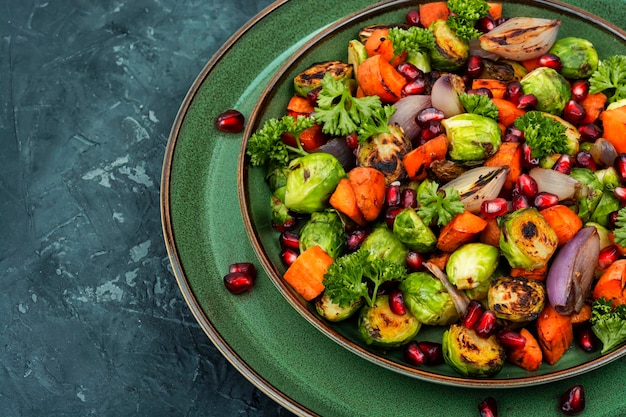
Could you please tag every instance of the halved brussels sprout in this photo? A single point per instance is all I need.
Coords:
(480, 292)
(450, 52)
(579, 58)
(332, 311)
(324, 229)
(472, 137)
(412, 231)
(590, 194)
(311, 181)
(472, 264)
(608, 177)
(516, 299)
(385, 152)
(608, 204)
(379, 326)
(551, 89)
(471, 355)
(311, 78)
(384, 244)
(428, 300)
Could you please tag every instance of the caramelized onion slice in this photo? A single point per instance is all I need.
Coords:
(521, 38)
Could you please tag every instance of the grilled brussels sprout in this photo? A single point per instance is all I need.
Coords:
(471, 355)
(526, 239)
(384, 244)
(384, 151)
(498, 70)
(379, 326)
(590, 194)
(324, 229)
(516, 299)
(450, 52)
(331, 311)
(428, 300)
(412, 231)
(550, 88)
(311, 181)
(608, 177)
(472, 264)
(311, 78)
(579, 58)
(472, 137)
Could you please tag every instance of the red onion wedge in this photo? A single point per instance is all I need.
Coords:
(554, 182)
(445, 94)
(406, 110)
(572, 271)
(478, 185)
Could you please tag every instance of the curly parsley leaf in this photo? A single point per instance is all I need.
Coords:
(377, 124)
(266, 144)
(338, 111)
(479, 104)
(620, 228)
(438, 206)
(544, 135)
(463, 17)
(608, 323)
(411, 40)
(610, 77)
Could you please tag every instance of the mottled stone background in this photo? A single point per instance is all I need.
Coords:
(93, 322)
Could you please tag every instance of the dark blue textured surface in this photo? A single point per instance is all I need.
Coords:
(92, 321)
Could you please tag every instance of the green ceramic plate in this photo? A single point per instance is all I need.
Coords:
(263, 335)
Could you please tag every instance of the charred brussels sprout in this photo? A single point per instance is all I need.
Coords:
(579, 58)
(472, 264)
(450, 52)
(384, 152)
(412, 231)
(382, 243)
(428, 300)
(526, 239)
(472, 137)
(516, 299)
(379, 326)
(471, 355)
(550, 88)
(324, 229)
(311, 181)
(311, 78)
(331, 311)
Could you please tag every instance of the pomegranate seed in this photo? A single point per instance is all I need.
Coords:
(414, 87)
(238, 282)
(484, 91)
(573, 401)
(409, 198)
(231, 121)
(584, 159)
(474, 66)
(527, 102)
(488, 407)
(432, 130)
(433, 352)
(390, 215)
(527, 186)
(427, 115)
(413, 355)
(543, 200)
(355, 238)
(527, 158)
(473, 313)
(485, 24)
(287, 225)
(608, 255)
(288, 256)
(396, 303)
(409, 71)
(244, 267)
(486, 324)
(551, 61)
(612, 219)
(564, 164)
(574, 112)
(415, 261)
(580, 90)
(312, 95)
(511, 339)
(393, 194)
(490, 209)
(413, 17)
(620, 166)
(587, 339)
(513, 92)
(589, 133)
(289, 239)
(352, 140)
(620, 193)
(519, 202)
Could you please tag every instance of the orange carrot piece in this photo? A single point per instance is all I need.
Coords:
(300, 106)
(491, 233)
(439, 259)
(419, 159)
(531, 64)
(614, 124)
(497, 87)
(377, 77)
(528, 357)
(555, 334)
(507, 111)
(369, 189)
(344, 200)
(495, 10)
(593, 105)
(538, 274)
(612, 283)
(378, 44)
(463, 228)
(563, 221)
(582, 316)
(311, 138)
(306, 273)
(429, 12)
(508, 154)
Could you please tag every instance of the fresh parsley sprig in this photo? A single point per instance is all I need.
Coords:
(619, 233)
(266, 144)
(438, 206)
(479, 104)
(608, 323)
(463, 17)
(544, 135)
(610, 77)
(411, 40)
(377, 124)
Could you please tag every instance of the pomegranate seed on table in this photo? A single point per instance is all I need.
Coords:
(413, 355)
(289, 239)
(433, 352)
(473, 313)
(415, 261)
(288, 256)
(245, 267)
(544, 200)
(608, 255)
(396, 303)
(393, 194)
(511, 339)
(488, 407)
(574, 112)
(551, 61)
(238, 282)
(355, 238)
(513, 92)
(527, 186)
(573, 401)
(620, 167)
(587, 339)
(580, 90)
(564, 164)
(414, 87)
(409, 71)
(519, 202)
(390, 215)
(589, 132)
(490, 209)
(486, 324)
(231, 121)
(474, 66)
(409, 198)
(584, 159)
(527, 102)
(427, 115)
(413, 17)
